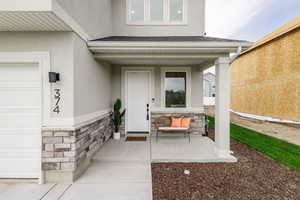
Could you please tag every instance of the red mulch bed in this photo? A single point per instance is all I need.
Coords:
(253, 177)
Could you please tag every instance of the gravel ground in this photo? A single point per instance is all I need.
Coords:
(253, 177)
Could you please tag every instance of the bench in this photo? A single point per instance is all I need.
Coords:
(163, 124)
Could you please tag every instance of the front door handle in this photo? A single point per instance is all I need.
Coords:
(147, 118)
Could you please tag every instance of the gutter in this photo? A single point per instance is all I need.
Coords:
(238, 53)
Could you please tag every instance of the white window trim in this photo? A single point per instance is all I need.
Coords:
(166, 18)
(187, 70)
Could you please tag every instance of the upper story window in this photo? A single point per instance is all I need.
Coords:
(156, 12)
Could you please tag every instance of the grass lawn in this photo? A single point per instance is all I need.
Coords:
(279, 150)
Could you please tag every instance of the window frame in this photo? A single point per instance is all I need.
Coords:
(187, 70)
(147, 15)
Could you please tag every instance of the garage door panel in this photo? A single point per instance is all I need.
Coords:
(22, 168)
(19, 110)
(21, 141)
(12, 97)
(20, 120)
(23, 153)
(19, 72)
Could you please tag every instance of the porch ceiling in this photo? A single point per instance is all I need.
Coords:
(163, 50)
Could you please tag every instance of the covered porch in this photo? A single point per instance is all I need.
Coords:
(148, 73)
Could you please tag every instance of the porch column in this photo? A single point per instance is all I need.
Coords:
(222, 116)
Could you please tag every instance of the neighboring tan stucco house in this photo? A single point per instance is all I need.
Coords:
(102, 50)
(265, 79)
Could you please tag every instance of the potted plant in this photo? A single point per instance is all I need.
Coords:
(118, 118)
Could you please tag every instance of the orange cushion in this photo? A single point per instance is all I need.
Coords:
(186, 122)
(176, 122)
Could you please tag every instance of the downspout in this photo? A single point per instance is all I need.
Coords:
(238, 52)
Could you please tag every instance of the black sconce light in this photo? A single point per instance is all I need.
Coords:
(54, 77)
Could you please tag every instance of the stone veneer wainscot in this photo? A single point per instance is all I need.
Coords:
(197, 124)
(67, 153)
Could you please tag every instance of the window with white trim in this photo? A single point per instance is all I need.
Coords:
(175, 90)
(156, 12)
(176, 87)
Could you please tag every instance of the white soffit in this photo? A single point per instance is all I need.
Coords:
(31, 21)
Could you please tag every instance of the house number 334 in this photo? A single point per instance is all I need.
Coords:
(57, 97)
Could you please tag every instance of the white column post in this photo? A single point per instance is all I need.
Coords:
(222, 116)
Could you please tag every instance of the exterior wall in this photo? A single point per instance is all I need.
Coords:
(265, 81)
(195, 25)
(196, 96)
(196, 85)
(84, 122)
(116, 83)
(92, 82)
(94, 16)
(28, 5)
(67, 154)
(60, 46)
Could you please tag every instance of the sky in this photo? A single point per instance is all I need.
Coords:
(248, 19)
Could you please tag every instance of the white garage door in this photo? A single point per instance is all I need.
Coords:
(20, 120)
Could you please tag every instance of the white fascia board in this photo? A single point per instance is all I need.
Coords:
(215, 48)
(170, 44)
(25, 5)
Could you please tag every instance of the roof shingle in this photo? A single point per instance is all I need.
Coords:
(166, 39)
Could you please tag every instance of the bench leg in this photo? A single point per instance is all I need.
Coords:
(189, 137)
(157, 136)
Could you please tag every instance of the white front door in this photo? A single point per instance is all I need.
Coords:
(20, 120)
(137, 101)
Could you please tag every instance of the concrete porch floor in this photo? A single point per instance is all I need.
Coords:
(169, 148)
(119, 171)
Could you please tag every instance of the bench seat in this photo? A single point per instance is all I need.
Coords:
(172, 129)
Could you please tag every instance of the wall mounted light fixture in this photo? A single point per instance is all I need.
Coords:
(54, 77)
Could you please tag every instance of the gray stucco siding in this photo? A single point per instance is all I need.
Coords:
(92, 81)
(196, 84)
(195, 22)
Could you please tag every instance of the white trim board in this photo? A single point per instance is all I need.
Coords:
(71, 124)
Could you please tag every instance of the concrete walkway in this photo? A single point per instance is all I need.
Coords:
(119, 171)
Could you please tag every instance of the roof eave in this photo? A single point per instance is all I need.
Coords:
(173, 47)
(168, 44)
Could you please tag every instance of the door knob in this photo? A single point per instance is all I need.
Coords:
(147, 118)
